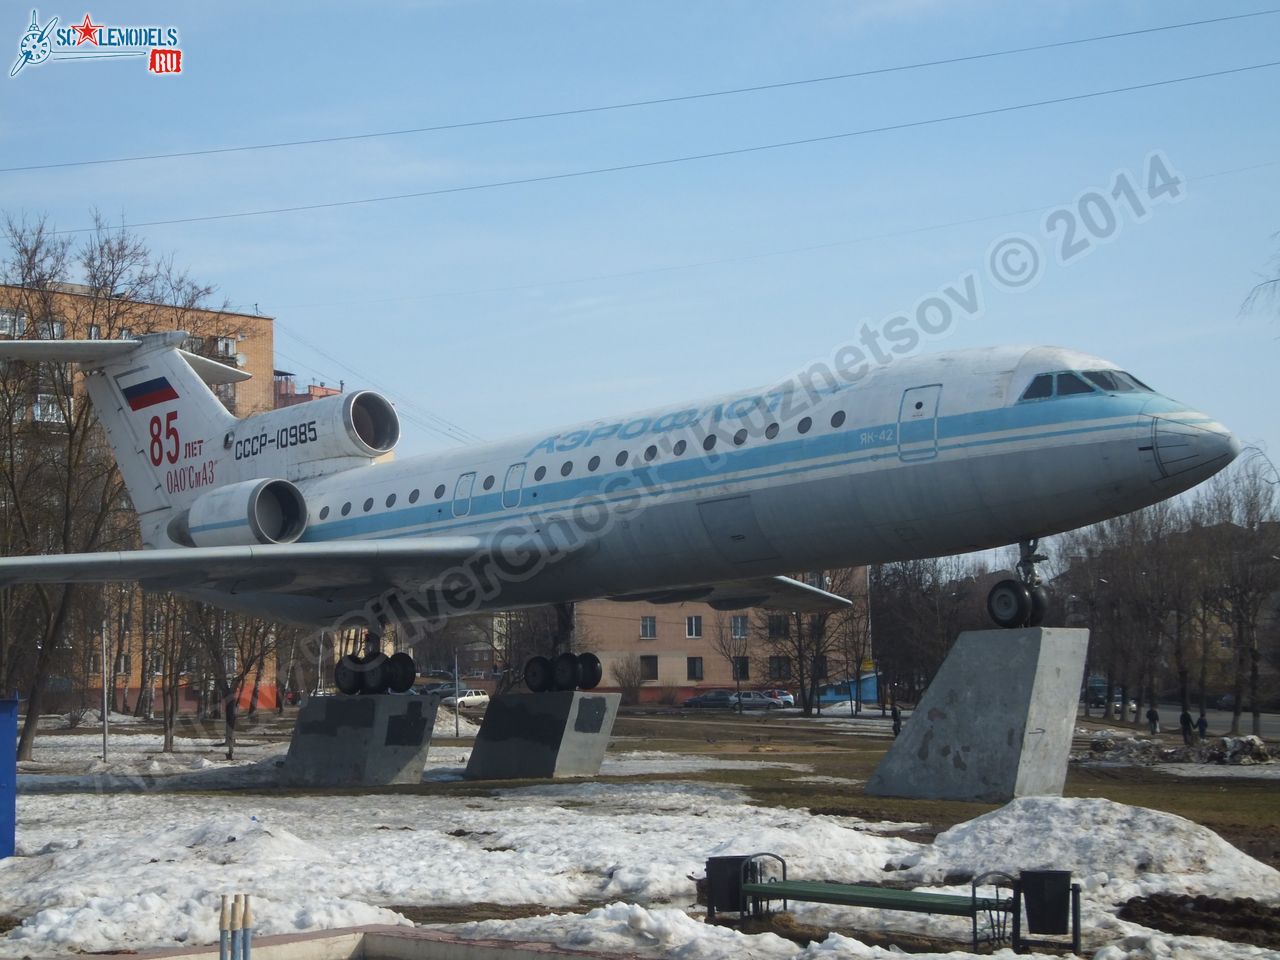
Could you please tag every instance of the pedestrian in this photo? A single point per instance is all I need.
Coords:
(897, 718)
(1184, 721)
(1153, 719)
(1202, 726)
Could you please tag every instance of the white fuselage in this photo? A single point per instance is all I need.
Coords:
(931, 456)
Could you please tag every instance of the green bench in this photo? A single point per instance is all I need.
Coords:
(754, 889)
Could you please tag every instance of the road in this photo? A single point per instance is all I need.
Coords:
(1219, 720)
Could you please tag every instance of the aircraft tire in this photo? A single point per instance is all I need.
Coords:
(346, 675)
(1009, 604)
(401, 672)
(374, 674)
(564, 672)
(1039, 606)
(537, 674)
(590, 671)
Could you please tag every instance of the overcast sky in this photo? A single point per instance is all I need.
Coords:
(518, 308)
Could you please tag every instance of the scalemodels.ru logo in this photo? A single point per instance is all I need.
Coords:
(98, 41)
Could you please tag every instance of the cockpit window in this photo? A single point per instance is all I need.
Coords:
(1069, 383)
(1117, 381)
(1041, 388)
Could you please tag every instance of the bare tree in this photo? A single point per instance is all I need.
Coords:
(733, 645)
(628, 674)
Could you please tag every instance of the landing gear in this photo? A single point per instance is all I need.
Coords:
(567, 671)
(1023, 602)
(373, 671)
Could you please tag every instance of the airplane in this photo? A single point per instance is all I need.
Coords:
(298, 515)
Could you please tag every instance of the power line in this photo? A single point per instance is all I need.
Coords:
(670, 161)
(654, 101)
(434, 421)
(721, 261)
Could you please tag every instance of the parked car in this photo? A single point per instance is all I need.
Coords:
(468, 700)
(711, 698)
(440, 689)
(754, 700)
(782, 696)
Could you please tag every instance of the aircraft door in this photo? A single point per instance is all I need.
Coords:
(918, 423)
(513, 486)
(462, 494)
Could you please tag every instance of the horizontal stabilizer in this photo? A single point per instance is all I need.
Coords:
(95, 352)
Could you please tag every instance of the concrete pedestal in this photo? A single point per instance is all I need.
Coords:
(995, 723)
(363, 741)
(543, 735)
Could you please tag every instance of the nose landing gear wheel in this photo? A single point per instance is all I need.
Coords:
(1009, 603)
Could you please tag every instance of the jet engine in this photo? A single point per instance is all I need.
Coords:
(243, 514)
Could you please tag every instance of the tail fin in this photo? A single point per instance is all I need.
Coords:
(164, 423)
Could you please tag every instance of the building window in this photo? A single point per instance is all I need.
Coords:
(126, 333)
(95, 331)
(779, 668)
(46, 409)
(741, 668)
(820, 667)
(777, 626)
(648, 628)
(13, 323)
(694, 668)
(693, 627)
(738, 626)
(53, 329)
(649, 667)
(224, 347)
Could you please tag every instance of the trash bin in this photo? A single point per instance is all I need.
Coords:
(724, 884)
(8, 775)
(1047, 895)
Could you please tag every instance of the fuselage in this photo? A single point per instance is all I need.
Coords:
(931, 456)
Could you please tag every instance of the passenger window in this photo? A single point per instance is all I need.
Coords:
(324, 513)
(391, 501)
(837, 418)
(740, 437)
(566, 468)
(650, 453)
(771, 431)
(621, 458)
(593, 464)
(1069, 383)
(439, 491)
(346, 508)
(1041, 388)
(709, 443)
(488, 482)
(368, 505)
(804, 425)
(413, 495)
(678, 449)
(539, 473)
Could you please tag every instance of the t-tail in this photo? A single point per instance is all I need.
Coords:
(197, 475)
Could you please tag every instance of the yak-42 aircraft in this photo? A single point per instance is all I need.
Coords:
(296, 514)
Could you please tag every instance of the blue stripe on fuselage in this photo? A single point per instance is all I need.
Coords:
(851, 444)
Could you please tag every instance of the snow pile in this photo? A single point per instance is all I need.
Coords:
(85, 719)
(71, 901)
(445, 725)
(1109, 747)
(628, 928)
(1116, 851)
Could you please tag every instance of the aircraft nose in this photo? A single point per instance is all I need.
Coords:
(1189, 448)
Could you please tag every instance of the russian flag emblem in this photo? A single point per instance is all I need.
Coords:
(149, 392)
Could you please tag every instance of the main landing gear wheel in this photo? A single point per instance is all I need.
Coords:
(1023, 602)
(590, 671)
(564, 672)
(373, 671)
(346, 675)
(567, 671)
(401, 672)
(537, 674)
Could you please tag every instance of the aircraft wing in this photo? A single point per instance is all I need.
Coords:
(286, 567)
(774, 593)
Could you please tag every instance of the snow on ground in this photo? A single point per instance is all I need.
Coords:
(112, 858)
